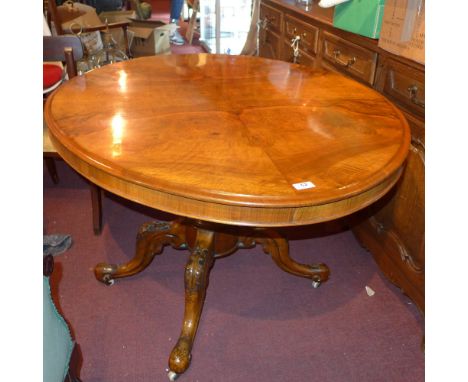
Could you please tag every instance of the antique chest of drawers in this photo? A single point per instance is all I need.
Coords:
(393, 228)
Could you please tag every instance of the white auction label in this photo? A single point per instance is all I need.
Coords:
(303, 185)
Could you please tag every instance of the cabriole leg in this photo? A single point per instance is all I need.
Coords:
(278, 248)
(196, 280)
(151, 239)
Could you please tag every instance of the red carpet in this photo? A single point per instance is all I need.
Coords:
(259, 324)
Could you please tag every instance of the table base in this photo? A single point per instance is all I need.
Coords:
(206, 242)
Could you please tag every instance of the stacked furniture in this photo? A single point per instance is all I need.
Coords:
(393, 228)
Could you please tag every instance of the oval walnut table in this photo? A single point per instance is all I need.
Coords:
(235, 146)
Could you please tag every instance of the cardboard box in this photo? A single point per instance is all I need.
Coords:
(363, 17)
(149, 38)
(86, 16)
(403, 29)
(117, 16)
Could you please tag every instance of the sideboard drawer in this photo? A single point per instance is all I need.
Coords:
(404, 85)
(349, 58)
(270, 18)
(307, 33)
(269, 44)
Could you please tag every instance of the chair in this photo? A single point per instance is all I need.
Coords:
(195, 5)
(57, 18)
(67, 49)
(61, 355)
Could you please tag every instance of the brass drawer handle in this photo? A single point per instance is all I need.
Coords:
(295, 47)
(351, 61)
(413, 92)
(263, 23)
(294, 33)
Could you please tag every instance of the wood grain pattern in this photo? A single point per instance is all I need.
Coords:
(224, 138)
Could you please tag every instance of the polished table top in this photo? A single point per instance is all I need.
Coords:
(229, 138)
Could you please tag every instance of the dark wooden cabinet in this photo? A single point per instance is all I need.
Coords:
(392, 229)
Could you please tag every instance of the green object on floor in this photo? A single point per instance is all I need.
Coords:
(57, 341)
(363, 17)
(57, 344)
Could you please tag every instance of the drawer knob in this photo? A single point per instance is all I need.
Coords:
(413, 93)
(351, 61)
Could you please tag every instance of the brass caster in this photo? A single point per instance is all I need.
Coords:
(172, 375)
(316, 284)
(106, 279)
(104, 273)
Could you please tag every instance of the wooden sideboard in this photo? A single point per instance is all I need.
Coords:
(393, 228)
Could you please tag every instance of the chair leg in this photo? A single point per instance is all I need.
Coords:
(192, 22)
(96, 206)
(52, 169)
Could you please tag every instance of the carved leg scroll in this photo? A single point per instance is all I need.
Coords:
(151, 239)
(278, 248)
(196, 280)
